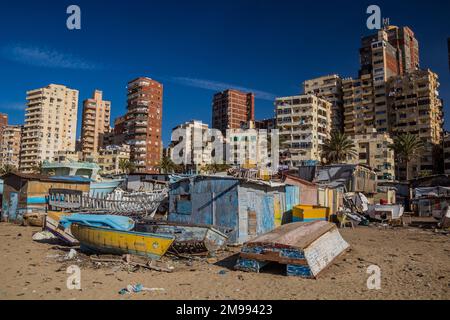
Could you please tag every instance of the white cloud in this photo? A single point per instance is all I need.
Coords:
(44, 57)
(15, 106)
(219, 86)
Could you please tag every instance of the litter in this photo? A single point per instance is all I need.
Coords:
(138, 288)
(43, 235)
(71, 255)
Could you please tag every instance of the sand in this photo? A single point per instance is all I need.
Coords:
(415, 264)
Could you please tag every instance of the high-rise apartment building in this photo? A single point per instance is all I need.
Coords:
(415, 107)
(50, 124)
(195, 150)
(363, 108)
(372, 149)
(404, 40)
(304, 124)
(95, 123)
(143, 123)
(329, 88)
(3, 124)
(231, 108)
(393, 95)
(378, 57)
(10, 146)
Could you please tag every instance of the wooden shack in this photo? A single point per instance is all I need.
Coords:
(26, 194)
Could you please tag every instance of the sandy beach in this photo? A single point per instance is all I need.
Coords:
(415, 264)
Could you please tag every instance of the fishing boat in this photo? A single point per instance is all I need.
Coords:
(189, 238)
(134, 204)
(87, 170)
(110, 241)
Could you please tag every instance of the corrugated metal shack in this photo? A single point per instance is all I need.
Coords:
(26, 193)
(247, 208)
(146, 182)
(307, 190)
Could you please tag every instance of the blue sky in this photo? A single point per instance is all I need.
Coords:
(198, 47)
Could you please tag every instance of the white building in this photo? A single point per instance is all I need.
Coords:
(304, 123)
(50, 124)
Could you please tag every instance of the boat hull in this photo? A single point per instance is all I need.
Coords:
(188, 238)
(103, 187)
(109, 241)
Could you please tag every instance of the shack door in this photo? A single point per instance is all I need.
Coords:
(13, 201)
(252, 222)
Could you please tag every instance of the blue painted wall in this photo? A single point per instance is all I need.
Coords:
(226, 203)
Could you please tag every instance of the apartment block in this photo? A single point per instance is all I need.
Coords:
(329, 88)
(10, 146)
(95, 123)
(373, 150)
(404, 40)
(304, 122)
(415, 107)
(195, 150)
(68, 156)
(363, 108)
(109, 158)
(50, 124)
(143, 123)
(249, 148)
(3, 123)
(116, 136)
(447, 153)
(231, 108)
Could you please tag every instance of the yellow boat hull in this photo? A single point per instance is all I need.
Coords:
(109, 241)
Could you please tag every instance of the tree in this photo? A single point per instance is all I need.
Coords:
(167, 165)
(37, 168)
(338, 148)
(126, 166)
(405, 147)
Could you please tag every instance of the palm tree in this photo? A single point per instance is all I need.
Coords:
(338, 148)
(167, 165)
(37, 168)
(126, 166)
(405, 147)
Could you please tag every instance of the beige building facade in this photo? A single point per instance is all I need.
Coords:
(10, 146)
(95, 123)
(416, 108)
(329, 88)
(304, 123)
(372, 149)
(109, 158)
(50, 124)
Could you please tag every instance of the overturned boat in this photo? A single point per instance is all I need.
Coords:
(189, 238)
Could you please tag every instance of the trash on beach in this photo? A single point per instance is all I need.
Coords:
(71, 255)
(135, 261)
(138, 288)
(306, 248)
(43, 235)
